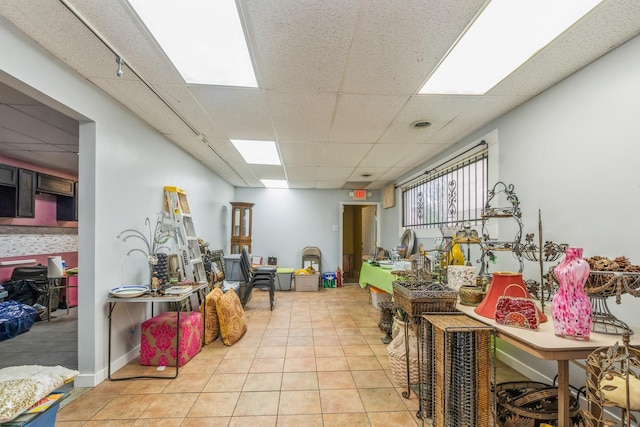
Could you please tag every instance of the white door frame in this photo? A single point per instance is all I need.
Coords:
(341, 230)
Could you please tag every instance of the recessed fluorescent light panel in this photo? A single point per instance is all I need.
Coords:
(257, 152)
(203, 38)
(505, 35)
(275, 183)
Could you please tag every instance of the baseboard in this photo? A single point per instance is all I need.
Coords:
(92, 380)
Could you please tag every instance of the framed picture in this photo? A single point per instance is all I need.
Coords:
(272, 260)
(256, 260)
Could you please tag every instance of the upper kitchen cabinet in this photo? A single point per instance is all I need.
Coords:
(17, 192)
(55, 185)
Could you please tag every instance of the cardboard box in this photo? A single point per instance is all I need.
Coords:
(307, 282)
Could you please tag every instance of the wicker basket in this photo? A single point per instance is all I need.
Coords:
(416, 298)
(396, 351)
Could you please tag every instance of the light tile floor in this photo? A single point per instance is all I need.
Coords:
(315, 360)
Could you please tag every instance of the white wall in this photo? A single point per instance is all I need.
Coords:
(124, 165)
(572, 152)
(287, 220)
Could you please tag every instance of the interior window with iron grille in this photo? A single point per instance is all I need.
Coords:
(449, 196)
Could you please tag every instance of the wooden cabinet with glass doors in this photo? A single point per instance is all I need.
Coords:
(240, 226)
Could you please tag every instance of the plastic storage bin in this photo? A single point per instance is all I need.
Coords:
(46, 418)
(307, 282)
(233, 269)
(283, 279)
(378, 296)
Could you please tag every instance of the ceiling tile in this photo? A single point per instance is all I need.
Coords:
(398, 43)
(363, 118)
(240, 113)
(301, 154)
(344, 154)
(301, 115)
(301, 45)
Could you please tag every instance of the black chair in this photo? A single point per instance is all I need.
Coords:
(262, 277)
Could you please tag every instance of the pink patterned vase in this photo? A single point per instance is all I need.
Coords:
(571, 308)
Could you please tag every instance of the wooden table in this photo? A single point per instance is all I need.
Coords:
(544, 344)
(377, 277)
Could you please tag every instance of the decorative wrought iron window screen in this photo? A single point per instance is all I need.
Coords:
(451, 196)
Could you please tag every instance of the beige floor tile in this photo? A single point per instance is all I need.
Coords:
(371, 379)
(363, 363)
(159, 422)
(379, 349)
(299, 364)
(384, 361)
(398, 419)
(381, 399)
(198, 366)
(332, 364)
(301, 351)
(325, 332)
(299, 402)
(242, 352)
(300, 420)
(300, 323)
(107, 423)
(340, 401)
(300, 332)
(326, 340)
(125, 406)
(276, 332)
(206, 422)
(412, 402)
(328, 350)
(254, 421)
(257, 403)
(187, 383)
(170, 406)
(145, 386)
(374, 339)
(274, 341)
(323, 324)
(84, 407)
(353, 340)
(343, 331)
(335, 380)
(267, 364)
(246, 341)
(263, 382)
(225, 382)
(270, 352)
(300, 341)
(229, 366)
(214, 405)
(375, 331)
(299, 381)
(351, 420)
(357, 350)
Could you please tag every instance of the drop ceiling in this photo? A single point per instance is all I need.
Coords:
(338, 83)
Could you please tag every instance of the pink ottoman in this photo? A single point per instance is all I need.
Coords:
(158, 338)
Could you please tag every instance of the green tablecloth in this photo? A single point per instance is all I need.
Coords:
(377, 277)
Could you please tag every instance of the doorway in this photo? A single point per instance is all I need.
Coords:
(360, 234)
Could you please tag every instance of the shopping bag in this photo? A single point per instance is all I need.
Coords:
(519, 312)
